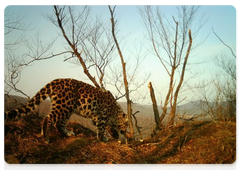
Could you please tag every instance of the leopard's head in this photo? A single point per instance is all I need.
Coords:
(119, 124)
(119, 128)
(122, 123)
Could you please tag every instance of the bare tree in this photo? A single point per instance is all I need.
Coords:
(12, 73)
(15, 63)
(35, 50)
(230, 86)
(99, 49)
(126, 85)
(88, 39)
(171, 41)
(14, 23)
(94, 47)
(93, 41)
(219, 94)
(115, 78)
(74, 28)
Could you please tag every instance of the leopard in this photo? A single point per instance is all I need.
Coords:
(70, 96)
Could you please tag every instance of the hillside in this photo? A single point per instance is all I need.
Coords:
(198, 142)
(11, 101)
(191, 142)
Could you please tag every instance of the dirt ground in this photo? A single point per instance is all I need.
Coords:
(190, 142)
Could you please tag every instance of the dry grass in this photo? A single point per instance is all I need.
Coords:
(199, 142)
(192, 142)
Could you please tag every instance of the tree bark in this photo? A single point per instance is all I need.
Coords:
(173, 109)
(154, 104)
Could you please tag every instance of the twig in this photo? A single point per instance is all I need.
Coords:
(224, 43)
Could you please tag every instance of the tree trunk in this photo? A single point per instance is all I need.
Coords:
(173, 108)
(155, 109)
(136, 125)
(129, 102)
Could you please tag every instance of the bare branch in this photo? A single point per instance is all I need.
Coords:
(61, 20)
(12, 24)
(224, 43)
(170, 38)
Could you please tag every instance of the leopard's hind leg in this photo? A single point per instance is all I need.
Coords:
(61, 126)
(57, 119)
(45, 128)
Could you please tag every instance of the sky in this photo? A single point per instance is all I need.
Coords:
(132, 33)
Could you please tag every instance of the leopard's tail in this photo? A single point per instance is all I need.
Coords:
(30, 106)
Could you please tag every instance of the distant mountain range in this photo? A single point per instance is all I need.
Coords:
(191, 108)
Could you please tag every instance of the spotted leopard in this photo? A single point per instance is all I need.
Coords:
(70, 96)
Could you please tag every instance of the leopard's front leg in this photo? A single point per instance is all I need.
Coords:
(101, 123)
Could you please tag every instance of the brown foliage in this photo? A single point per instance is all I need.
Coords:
(199, 142)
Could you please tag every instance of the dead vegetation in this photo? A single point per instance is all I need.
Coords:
(195, 142)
